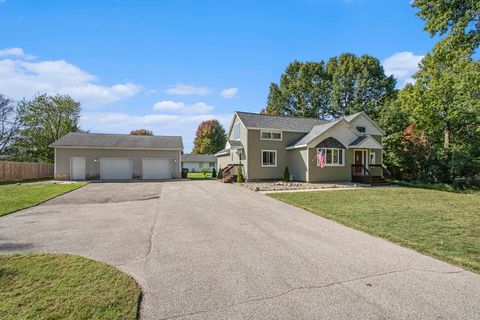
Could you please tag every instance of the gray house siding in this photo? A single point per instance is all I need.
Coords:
(330, 173)
(223, 161)
(254, 154)
(297, 164)
(63, 155)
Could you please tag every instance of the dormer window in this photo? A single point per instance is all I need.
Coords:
(271, 135)
(361, 129)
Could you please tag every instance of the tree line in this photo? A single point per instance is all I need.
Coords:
(29, 126)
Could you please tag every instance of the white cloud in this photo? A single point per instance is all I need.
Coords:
(180, 107)
(160, 124)
(402, 65)
(20, 78)
(186, 90)
(229, 93)
(16, 52)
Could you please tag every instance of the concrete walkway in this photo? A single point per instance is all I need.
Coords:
(206, 250)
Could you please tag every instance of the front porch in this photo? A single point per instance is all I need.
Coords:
(375, 174)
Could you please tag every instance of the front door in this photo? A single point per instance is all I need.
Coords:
(358, 161)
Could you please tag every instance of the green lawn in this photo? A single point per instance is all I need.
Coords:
(442, 224)
(14, 197)
(60, 286)
(199, 175)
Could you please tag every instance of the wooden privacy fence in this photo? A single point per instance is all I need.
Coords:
(15, 171)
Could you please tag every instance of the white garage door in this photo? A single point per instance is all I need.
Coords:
(156, 169)
(78, 168)
(115, 168)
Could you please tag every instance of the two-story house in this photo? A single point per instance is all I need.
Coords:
(350, 148)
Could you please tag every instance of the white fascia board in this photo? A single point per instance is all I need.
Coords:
(296, 147)
(369, 143)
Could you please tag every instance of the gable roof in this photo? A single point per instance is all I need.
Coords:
(330, 142)
(351, 117)
(282, 123)
(366, 141)
(117, 141)
(314, 133)
(198, 158)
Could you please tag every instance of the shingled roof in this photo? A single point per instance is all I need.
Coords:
(198, 158)
(118, 141)
(283, 123)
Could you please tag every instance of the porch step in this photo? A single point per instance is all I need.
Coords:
(378, 181)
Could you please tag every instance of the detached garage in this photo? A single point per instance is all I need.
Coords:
(93, 156)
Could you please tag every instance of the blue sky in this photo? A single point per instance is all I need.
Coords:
(168, 65)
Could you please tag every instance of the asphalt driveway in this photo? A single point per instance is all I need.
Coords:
(206, 250)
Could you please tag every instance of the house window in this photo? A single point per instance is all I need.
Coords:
(334, 157)
(361, 129)
(269, 158)
(372, 158)
(212, 164)
(236, 131)
(271, 135)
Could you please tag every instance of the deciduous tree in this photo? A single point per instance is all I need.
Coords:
(45, 119)
(9, 122)
(346, 84)
(209, 138)
(141, 132)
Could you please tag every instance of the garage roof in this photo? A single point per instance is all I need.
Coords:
(118, 141)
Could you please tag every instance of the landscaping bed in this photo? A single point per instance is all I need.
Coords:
(296, 185)
(441, 224)
(15, 196)
(60, 286)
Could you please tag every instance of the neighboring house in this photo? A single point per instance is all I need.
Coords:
(264, 145)
(195, 162)
(80, 156)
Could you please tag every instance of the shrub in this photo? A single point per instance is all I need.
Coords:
(286, 175)
(214, 173)
(240, 178)
(220, 174)
(204, 171)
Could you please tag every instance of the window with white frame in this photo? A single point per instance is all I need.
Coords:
(334, 157)
(271, 135)
(372, 158)
(269, 158)
(236, 131)
(212, 164)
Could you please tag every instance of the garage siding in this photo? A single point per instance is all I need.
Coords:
(63, 155)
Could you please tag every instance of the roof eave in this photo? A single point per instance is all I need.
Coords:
(296, 147)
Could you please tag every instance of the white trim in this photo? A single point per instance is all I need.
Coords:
(333, 164)
(364, 156)
(239, 131)
(308, 165)
(71, 168)
(296, 147)
(271, 132)
(268, 165)
(368, 143)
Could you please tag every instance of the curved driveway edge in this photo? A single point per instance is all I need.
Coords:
(207, 250)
